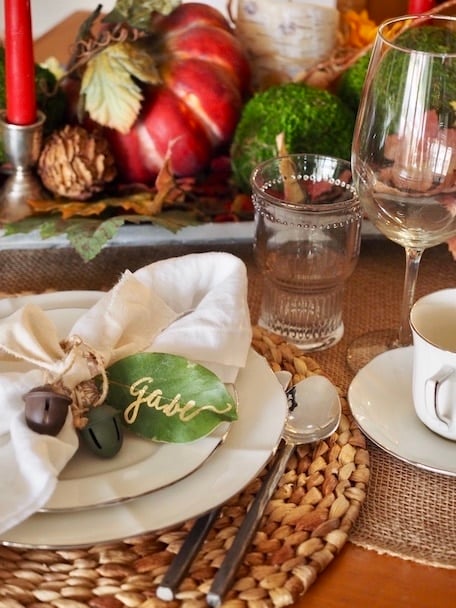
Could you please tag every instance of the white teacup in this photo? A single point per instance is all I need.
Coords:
(433, 324)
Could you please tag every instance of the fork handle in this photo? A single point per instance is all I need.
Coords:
(185, 556)
(233, 558)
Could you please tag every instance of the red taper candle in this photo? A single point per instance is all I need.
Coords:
(416, 7)
(19, 64)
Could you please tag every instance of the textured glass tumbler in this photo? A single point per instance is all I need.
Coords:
(307, 242)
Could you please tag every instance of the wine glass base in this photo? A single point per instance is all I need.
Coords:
(369, 345)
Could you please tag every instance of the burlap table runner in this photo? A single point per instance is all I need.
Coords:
(408, 512)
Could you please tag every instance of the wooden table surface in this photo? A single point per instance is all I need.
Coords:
(357, 578)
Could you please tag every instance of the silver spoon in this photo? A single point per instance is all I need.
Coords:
(315, 412)
(322, 410)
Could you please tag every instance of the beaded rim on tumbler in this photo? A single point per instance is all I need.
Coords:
(309, 207)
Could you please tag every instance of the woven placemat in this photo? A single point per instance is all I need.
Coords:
(305, 526)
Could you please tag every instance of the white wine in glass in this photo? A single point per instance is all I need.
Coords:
(404, 151)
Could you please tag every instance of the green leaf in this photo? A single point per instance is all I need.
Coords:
(27, 225)
(109, 84)
(137, 13)
(168, 398)
(47, 228)
(89, 237)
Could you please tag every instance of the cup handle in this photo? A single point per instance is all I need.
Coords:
(432, 388)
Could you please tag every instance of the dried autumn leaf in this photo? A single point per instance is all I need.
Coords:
(165, 183)
(291, 188)
(67, 209)
(85, 29)
(358, 29)
(137, 14)
(112, 96)
(142, 203)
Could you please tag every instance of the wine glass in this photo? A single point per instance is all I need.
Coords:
(404, 151)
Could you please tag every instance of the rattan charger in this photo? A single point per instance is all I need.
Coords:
(305, 526)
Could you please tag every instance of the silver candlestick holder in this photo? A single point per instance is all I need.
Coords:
(22, 145)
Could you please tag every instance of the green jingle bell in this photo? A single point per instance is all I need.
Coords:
(103, 433)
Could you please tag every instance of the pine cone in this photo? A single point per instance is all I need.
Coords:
(75, 163)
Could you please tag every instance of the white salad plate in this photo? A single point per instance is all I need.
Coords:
(225, 467)
(380, 398)
(88, 481)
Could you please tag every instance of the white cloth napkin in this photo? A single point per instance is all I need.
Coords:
(194, 306)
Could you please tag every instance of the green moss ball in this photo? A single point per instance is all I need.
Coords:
(313, 121)
(351, 82)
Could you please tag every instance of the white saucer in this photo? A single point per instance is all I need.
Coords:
(380, 398)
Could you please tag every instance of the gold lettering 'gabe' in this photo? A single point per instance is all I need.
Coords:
(169, 407)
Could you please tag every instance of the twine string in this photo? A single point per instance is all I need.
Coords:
(87, 394)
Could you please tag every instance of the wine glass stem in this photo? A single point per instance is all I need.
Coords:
(412, 264)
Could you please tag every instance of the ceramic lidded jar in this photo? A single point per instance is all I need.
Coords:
(285, 39)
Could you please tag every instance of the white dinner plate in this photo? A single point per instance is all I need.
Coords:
(381, 402)
(88, 481)
(252, 438)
